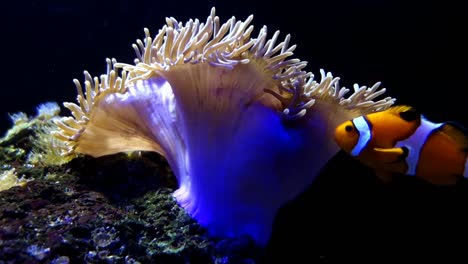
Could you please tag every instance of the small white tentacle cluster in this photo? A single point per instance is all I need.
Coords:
(70, 128)
(304, 93)
(223, 45)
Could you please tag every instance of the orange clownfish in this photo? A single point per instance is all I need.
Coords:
(401, 140)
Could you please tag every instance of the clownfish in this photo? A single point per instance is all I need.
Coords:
(400, 140)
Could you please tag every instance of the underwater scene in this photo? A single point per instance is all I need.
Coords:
(233, 132)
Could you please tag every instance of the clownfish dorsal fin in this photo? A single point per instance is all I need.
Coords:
(457, 133)
(406, 112)
(399, 108)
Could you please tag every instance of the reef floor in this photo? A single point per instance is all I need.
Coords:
(115, 209)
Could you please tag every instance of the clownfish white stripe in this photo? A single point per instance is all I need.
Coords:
(465, 172)
(364, 135)
(415, 143)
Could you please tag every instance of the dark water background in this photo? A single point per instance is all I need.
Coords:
(416, 49)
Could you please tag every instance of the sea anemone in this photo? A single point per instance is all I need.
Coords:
(241, 124)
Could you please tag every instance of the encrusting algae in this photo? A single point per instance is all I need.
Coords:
(30, 142)
(242, 125)
(9, 179)
(45, 148)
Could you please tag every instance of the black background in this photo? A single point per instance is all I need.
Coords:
(415, 48)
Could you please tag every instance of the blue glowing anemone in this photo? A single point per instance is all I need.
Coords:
(241, 124)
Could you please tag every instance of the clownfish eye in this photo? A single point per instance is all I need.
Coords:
(349, 128)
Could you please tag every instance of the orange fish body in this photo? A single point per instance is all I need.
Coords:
(400, 140)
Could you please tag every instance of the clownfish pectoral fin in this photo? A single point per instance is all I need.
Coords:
(391, 155)
(384, 175)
